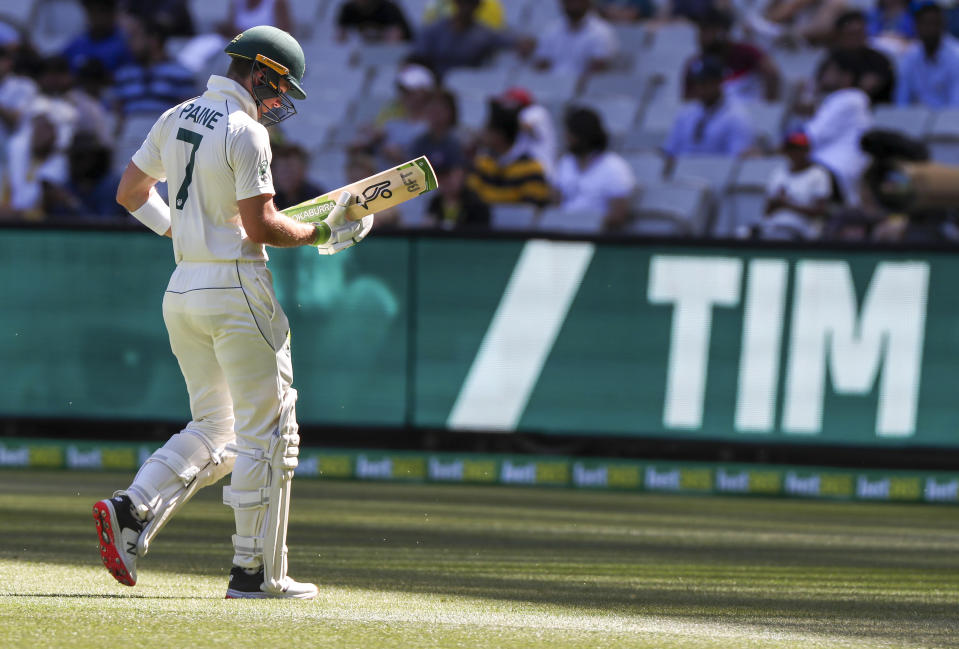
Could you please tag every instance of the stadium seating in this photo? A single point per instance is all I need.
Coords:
(942, 136)
(207, 13)
(545, 85)
(54, 23)
(335, 57)
(380, 84)
(18, 11)
(380, 55)
(633, 37)
(768, 119)
(513, 217)
(656, 121)
(712, 171)
(908, 120)
(486, 81)
(541, 13)
(472, 111)
(670, 209)
(617, 84)
(796, 65)
(672, 44)
(618, 114)
(328, 168)
(414, 10)
(515, 12)
(745, 197)
(647, 165)
(306, 16)
(638, 103)
(556, 219)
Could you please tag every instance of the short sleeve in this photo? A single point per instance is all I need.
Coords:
(741, 135)
(620, 179)
(605, 44)
(147, 158)
(675, 142)
(821, 185)
(250, 158)
(565, 179)
(56, 169)
(546, 45)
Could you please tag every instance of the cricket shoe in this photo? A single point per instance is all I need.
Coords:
(118, 529)
(243, 585)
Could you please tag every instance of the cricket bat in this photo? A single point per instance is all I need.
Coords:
(370, 195)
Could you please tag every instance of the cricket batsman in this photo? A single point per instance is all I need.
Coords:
(227, 331)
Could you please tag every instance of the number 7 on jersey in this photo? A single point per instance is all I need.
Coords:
(193, 138)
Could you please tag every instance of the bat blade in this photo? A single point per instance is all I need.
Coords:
(370, 195)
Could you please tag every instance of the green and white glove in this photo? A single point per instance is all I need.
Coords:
(343, 232)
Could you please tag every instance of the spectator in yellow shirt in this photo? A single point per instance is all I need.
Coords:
(502, 171)
(489, 13)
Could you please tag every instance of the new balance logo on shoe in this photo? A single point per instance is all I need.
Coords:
(117, 531)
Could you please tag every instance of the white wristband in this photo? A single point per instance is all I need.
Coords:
(155, 214)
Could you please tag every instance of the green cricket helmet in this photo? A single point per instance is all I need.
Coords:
(279, 56)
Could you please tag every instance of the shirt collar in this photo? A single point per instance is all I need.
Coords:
(223, 88)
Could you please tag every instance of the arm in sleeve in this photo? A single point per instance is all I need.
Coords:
(822, 188)
(741, 136)
(831, 121)
(605, 45)
(904, 79)
(544, 47)
(954, 81)
(621, 181)
(249, 155)
(147, 158)
(674, 143)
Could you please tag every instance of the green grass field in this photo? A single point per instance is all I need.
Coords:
(411, 566)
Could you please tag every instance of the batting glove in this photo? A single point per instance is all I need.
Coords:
(343, 232)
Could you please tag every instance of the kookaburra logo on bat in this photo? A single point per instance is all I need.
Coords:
(371, 192)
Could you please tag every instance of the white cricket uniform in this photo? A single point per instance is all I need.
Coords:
(227, 331)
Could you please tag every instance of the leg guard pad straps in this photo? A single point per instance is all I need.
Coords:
(262, 514)
(170, 477)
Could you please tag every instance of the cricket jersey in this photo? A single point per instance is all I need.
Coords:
(212, 152)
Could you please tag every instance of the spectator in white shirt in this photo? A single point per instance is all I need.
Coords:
(592, 181)
(929, 68)
(35, 166)
(577, 43)
(16, 92)
(798, 194)
(839, 122)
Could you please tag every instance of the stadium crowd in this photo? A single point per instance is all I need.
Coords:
(677, 118)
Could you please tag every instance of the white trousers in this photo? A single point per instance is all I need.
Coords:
(231, 339)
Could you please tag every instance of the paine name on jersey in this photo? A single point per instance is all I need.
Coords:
(200, 115)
